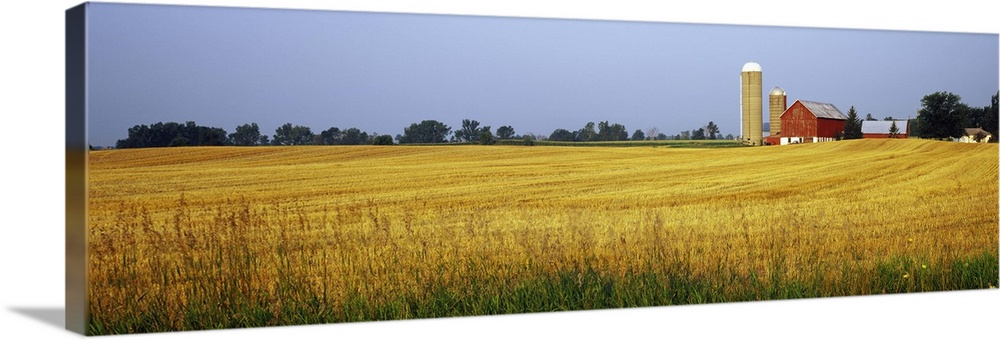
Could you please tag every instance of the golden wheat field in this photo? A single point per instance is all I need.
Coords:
(216, 237)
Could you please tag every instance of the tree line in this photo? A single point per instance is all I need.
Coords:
(191, 134)
(605, 131)
(942, 115)
(426, 132)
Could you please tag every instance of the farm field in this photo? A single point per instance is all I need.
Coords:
(717, 143)
(222, 237)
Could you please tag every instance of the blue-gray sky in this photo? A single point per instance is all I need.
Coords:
(223, 67)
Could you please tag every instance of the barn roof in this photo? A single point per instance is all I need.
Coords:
(823, 110)
(882, 126)
(974, 131)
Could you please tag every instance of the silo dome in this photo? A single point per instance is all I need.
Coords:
(777, 91)
(751, 67)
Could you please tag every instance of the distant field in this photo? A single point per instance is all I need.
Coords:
(202, 238)
(715, 143)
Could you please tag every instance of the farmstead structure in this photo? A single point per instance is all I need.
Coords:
(880, 129)
(810, 122)
(974, 135)
(751, 125)
(802, 122)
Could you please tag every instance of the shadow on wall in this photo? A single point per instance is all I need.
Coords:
(54, 316)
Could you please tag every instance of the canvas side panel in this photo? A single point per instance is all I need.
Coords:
(76, 169)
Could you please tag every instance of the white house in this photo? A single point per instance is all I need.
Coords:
(971, 134)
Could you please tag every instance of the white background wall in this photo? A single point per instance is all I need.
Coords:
(31, 104)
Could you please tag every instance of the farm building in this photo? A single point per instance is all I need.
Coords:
(778, 102)
(810, 122)
(802, 122)
(880, 128)
(975, 135)
(751, 125)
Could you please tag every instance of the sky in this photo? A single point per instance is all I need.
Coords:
(33, 83)
(381, 72)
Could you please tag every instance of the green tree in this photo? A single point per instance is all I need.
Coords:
(620, 131)
(172, 134)
(505, 132)
(893, 130)
(941, 116)
(870, 118)
(563, 135)
(588, 133)
(469, 131)
(852, 127)
(428, 131)
(712, 130)
(330, 136)
(382, 140)
(698, 134)
(991, 122)
(984, 117)
(293, 135)
(245, 135)
(180, 141)
(604, 131)
(611, 132)
(486, 137)
(914, 127)
(212, 136)
(975, 116)
(354, 136)
(638, 135)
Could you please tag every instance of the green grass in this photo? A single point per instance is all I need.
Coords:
(570, 289)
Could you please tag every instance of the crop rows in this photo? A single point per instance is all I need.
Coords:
(202, 238)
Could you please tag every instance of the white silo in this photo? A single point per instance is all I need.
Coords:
(751, 104)
(778, 103)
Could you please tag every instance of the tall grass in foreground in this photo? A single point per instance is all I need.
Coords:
(446, 232)
(227, 266)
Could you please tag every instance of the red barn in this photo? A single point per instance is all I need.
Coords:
(811, 122)
(880, 128)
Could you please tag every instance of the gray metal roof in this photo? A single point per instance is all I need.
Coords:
(882, 126)
(823, 110)
(974, 131)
